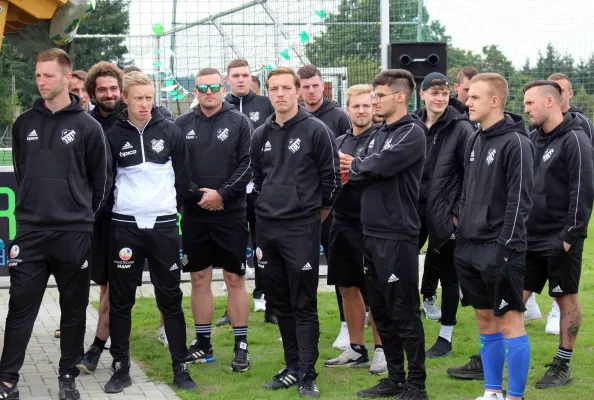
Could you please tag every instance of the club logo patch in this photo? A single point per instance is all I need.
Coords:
(255, 116)
(68, 135)
(294, 145)
(157, 145)
(491, 156)
(223, 134)
(547, 155)
(125, 254)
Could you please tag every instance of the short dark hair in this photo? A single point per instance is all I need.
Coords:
(466, 72)
(309, 71)
(550, 88)
(99, 70)
(58, 55)
(238, 62)
(256, 79)
(131, 68)
(397, 79)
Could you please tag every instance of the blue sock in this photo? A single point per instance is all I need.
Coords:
(518, 364)
(493, 357)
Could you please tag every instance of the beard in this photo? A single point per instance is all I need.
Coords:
(108, 105)
(52, 94)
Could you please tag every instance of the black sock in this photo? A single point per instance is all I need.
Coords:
(203, 335)
(100, 344)
(564, 354)
(379, 346)
(240, 333)
(359, 348)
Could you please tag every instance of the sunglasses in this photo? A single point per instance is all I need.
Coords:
(215, 87)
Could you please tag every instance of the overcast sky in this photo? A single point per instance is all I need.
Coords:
(519, 27)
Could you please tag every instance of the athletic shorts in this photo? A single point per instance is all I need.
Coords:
(100, 251)
(486, 281)
(345, 257)
(220, 243)
(562, 269)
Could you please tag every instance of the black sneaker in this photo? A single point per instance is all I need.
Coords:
(283, 380)
(119, 380)
(11, 393)
(241, 357)
(412, 392)
(385, 388)
(558, 374)
(441, 348)
(198, 355)
(471, 370)
(307, 385)
(224, 320)
(89, 362)
(182, 378)
(68, 390)
(270, 317)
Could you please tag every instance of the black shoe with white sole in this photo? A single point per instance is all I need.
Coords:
(283, 380)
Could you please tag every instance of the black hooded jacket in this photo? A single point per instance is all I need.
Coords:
(390, 171)
(347, 208)
(256, 108)
(584, 121)
(334, 117)
(443, 173)
(497, 186)
(62, 166)
(563, 182)
(219, 148)
(296, 169)
(108, 122)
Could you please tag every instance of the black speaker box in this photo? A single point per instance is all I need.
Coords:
(420, 59)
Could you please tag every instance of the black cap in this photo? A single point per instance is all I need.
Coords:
(434, 79)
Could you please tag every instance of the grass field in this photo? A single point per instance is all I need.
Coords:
(216, 381)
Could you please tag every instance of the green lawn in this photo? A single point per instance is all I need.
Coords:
(216, 381)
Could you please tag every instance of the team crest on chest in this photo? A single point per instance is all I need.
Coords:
(491, 156)
(547, 155)
(157, 145)
(222, 134)
(254, 116)
(294, 145)
(68, 135)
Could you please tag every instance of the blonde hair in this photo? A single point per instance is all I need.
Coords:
(497, 83)
(284, 71)
(135, 78)
(357, 90)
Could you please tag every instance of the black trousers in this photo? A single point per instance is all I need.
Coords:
(251, 217)
(431, 267)
(392, 278)
(128, 250)
(290, 261)
(325, 242)
(34, 256)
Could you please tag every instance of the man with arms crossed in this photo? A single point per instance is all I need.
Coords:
(214, 221)
(62, 169)
(491, 236)
(345, 258)
(297, 177)
(558, 223)
(390, 171)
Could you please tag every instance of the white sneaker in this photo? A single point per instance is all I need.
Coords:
(163, 336)
(378, 364)
(342, 341)
(532, 309)
(107, 343)
(554, 320)
(431, 309)
(259, 304)
(491, 396)
(224, 287)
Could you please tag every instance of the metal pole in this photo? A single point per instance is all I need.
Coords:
(173, 49)
(384, 31)
(420, 22)
(157, 75)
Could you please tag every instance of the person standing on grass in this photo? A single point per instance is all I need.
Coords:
(558, 223)
(214, 222)
(62, 169)
(152, 178)
(345, 257)
(439, 201)
(297, 178)
(389, 170)
(490, 250)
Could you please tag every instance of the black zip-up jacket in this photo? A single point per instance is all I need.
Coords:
(497, 186)
(257, 108)
(347, 208)
(151, 170)
(443, 173)
(334, 117)
(390, 170)
(108, 122)
(585, 122)
(462, 109)
(563, 181)
(219, 148)
(62, 166)
(296, 169)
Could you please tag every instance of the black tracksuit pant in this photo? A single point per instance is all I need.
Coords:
(34, 256)
(128, 250)
(251, 217)
(392, 280)
(325, 242)
(290, 266)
